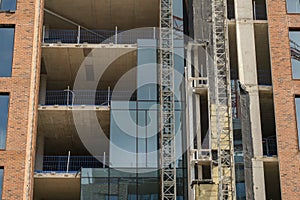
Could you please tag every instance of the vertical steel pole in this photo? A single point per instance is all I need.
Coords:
(68, 95)
(78, 35)
(104, 159)
(116, 35)
(108, 96)
(68, 162)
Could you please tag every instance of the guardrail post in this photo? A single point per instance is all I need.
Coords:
(116, 35)
(108, 96)
(104, 159)
(68, 95)
(78, 35)
(68, 163)
(44, 32)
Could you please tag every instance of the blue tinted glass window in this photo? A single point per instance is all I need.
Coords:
(6, 50)
(297, 101)
(7, 4)
(4, 101)
(295, 53)
(293, 6)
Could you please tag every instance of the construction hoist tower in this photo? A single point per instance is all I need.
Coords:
(225, 158)
(167, 116)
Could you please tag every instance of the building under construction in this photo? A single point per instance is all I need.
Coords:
(149, 99)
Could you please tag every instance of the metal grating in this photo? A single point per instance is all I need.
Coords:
(167, 118)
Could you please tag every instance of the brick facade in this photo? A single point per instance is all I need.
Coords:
(18, 157)
(284, 88)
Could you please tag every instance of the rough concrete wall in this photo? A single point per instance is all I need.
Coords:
(201, 29)
(247, 142)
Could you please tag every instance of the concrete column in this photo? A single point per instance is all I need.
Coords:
(197, 107)
(248, 77)
(43, 89)
(189, 121)
(39, 152)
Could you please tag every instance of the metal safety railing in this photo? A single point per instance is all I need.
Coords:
(85, 97)
(269, 146)
(202, 155)
(69, 164)
(81, 36)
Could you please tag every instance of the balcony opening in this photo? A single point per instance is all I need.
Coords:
(262, 54)
(67, 67)
(272, 181)
(268, 124)
(79, 22)
(259, 10)
(230, 9)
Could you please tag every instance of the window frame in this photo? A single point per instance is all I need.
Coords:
(287, 8)
(12, 10)
(12, 49)
(7, 121)
(297, 118)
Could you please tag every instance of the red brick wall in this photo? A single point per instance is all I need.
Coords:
(284, 90)
(23, 104)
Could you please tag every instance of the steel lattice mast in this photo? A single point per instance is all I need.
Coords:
(167, 116)
(223, 101)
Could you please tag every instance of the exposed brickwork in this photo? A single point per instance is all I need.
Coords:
(284, 90)
(22, 112)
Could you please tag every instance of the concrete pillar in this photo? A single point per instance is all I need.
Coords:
(248, 77)
(39, 152)
(43, 89)
(189, 121)
(197, 107)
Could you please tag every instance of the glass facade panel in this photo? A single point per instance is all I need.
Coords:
(295, 53)
(4, 103)
(119, 185)
(134, 131)
(293, 6)
(8, 5)
(6, 50)
(297, 102)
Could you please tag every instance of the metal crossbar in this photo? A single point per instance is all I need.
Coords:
(86, 97)
(167, 118)
(72, 163)
(223, 101)
(97, 36)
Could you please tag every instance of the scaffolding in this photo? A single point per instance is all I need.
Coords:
(167, 117)
(224, 141)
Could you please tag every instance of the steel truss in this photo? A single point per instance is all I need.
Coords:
(223, 101)
(167, 116)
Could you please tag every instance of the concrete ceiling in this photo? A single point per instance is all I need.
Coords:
(62, 65)
(103, 14)
(59, 130)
